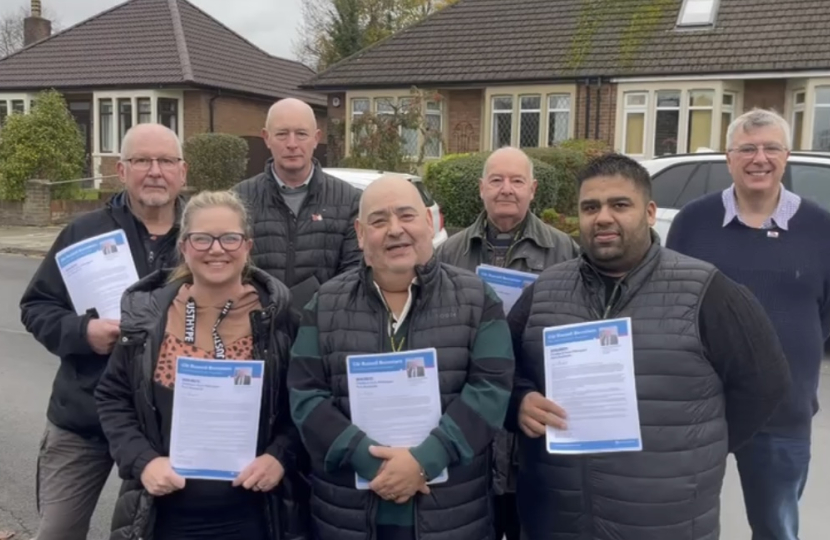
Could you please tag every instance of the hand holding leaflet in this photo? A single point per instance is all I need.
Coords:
(589, 372)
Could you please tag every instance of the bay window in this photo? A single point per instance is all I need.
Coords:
(117, 111)
(667, 122)
(701, 109)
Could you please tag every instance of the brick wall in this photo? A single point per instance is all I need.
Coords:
(464, 114)
(335, 126)
(765, 94)
(39, 210)
(593, 99)
(196, 119)
(109, 170)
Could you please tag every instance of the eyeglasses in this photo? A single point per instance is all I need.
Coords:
(204, 241)
(749, 150)
(144, 164)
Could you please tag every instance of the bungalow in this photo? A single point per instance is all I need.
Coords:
(650, 77)
(161, 61)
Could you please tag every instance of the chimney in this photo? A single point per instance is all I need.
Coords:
(35, 27)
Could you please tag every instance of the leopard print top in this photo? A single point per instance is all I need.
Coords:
(173, 347)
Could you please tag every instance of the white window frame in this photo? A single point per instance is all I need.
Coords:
(703, 16)
(25, 98)
(726, 109)
(494, 112)
(554, 110)
(680, 120)
(816, 107)
(635, 109)
(133, 96)
(439, 114)
(537, 112)
(799, 108)
(690, 108)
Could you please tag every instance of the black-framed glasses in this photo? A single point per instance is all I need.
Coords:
(204, 241)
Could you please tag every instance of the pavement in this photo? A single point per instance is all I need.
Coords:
(34, 241)
(27, 371)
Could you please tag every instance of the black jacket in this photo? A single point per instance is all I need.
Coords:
(306, 250)
(47, 313)
(126, 407)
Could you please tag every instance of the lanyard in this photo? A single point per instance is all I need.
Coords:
(190, 327)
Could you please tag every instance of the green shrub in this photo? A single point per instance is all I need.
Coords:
(566, 224)
(216, 161)
(44, 145)
(454, 183)
(591, 148)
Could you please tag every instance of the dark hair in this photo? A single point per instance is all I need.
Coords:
(617, 165)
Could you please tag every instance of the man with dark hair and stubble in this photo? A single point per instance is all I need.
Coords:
(709, 373)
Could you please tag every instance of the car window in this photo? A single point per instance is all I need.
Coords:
(668, 184)
(695, 187)
(719, 177)
(426, 196)
(811, 182)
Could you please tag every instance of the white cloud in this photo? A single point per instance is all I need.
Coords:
(270, 24)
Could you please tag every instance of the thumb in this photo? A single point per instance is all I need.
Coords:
(382, 452)
(424, 488)
(176, 480)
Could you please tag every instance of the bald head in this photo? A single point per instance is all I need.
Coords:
(162, 135)
(510, 155)
(390, 186)
(294, 111)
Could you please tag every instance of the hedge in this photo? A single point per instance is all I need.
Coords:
(454, 181)
(216, 161)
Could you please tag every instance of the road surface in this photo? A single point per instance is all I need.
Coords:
(26, 372)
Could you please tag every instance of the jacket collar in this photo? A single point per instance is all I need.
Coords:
(426, 275)
(314, 184)
(533, 231)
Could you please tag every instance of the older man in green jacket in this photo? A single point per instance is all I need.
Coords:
(507, 235)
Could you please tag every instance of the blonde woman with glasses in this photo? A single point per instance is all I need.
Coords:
(213, 306)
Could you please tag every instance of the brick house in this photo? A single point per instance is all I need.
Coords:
(650, 77)
(161, 61)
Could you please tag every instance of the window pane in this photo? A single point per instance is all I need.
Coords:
(560, 102)
(695, 187)
(432, 148)
(799, 98)
(823, 95)
(18, 106)
(668, 98)
(529, 129)
(725, 120)
(798, 129)
(125, 118)
(667, 185)
(503, 103)
(719, 177)
(105, 123)
(168, 113)
(410, 142)
(665, 132)
(4, 111)
(558, 127)
(821, 129)
(702, 98)
(531, 103)
(635, 128)
(433, 106)
(812, 182)
(502, 129)
(635, 100)
(700, 130)
(145, 115)
(728, 100)
(360, 105)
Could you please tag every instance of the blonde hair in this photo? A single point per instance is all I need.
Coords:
(202, 201)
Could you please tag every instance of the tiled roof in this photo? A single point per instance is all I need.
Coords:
(487, 41)
(154, 42)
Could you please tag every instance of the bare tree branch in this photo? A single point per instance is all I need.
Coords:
(11, 29)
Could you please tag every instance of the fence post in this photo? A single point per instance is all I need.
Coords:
(37, 206)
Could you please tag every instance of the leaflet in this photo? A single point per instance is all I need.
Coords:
(97, 271)
(216, 406)
(589, 372)
(395, 399)
(507, 283)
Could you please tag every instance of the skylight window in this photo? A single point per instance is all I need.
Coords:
(697, 13)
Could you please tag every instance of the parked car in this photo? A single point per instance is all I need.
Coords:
(679, 179)
(360, 178)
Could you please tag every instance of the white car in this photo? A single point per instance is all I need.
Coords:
(679, 179)
(360, 178)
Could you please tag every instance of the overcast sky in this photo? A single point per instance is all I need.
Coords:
(269, 24)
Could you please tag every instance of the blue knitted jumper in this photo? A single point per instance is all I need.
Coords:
(789, 273)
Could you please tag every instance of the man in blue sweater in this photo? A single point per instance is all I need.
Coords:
(770, 240)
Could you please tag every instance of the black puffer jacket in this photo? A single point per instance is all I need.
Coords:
(125, 405)
(47, 312)
(306, 250)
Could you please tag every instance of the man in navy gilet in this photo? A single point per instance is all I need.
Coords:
(776, 244)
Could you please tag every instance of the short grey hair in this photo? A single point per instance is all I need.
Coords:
(128, 137)
(487, 161)
(756, 119)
